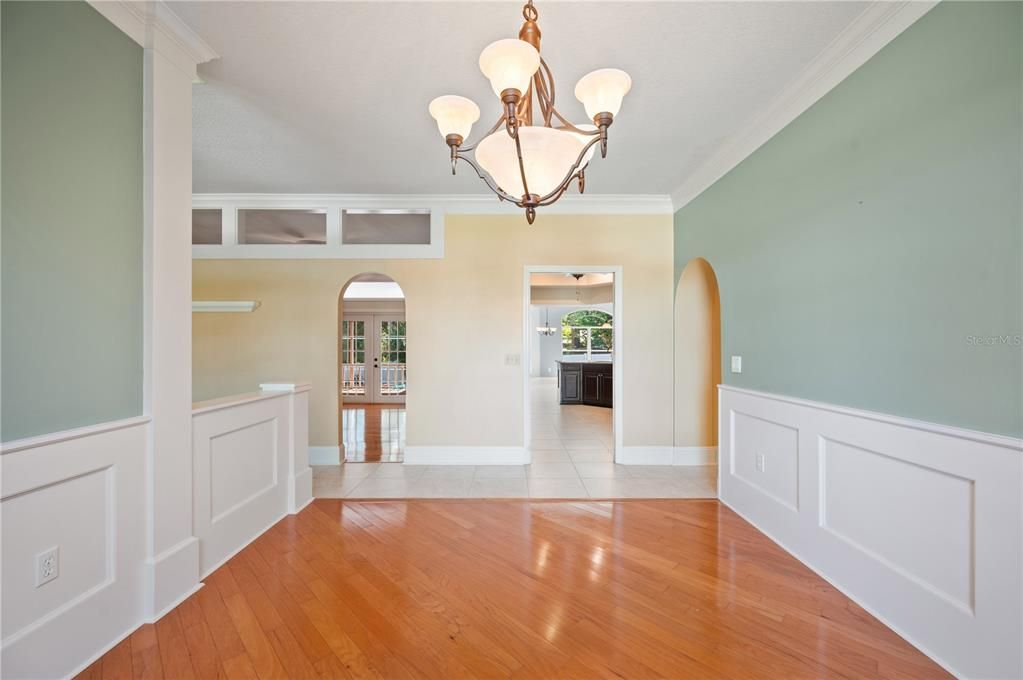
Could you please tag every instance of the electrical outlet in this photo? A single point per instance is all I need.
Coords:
(761, 462)
(47, 566)
(736, 364)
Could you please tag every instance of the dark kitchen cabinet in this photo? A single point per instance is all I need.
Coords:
(590, 383)
(571, 383)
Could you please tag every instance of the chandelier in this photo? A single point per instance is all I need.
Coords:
(535, 157)
(547, 330)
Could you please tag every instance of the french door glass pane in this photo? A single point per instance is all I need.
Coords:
(392, 361)
(353, 358)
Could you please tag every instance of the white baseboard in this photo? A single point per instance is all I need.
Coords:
(667, 455)
(103, 650)
(645, 455)
(324, 455)
(301, 490)
(919, 523)
(303, 506)
(695, 455)
(870, 610)
(171, 577)
(466, 455)
(171, 605)
(242, 546)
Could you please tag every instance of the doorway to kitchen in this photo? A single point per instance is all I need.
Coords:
(572, 368)
(372, 370)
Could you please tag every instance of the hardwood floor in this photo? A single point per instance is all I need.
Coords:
(373, 433)
(514, 589)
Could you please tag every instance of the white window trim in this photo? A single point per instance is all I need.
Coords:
(589, 342)
(334, 205)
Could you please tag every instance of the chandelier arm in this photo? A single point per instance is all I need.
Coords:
(556, 194)
(570, 174)
(568, 124)
(549, 91)
(542, 98)
(522, 167)
(497, 126)
(488, 180)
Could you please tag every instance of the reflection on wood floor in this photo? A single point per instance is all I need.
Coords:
(373, 433)
(514, 589)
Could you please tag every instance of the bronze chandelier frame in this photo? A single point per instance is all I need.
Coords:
(518, 111)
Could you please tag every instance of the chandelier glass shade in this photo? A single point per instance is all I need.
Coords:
(454, 115)
(546, 153)
(532, 153)
(509, 64)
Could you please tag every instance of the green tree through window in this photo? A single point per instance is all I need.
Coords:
(586, 331)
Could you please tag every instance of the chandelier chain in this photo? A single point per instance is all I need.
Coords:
(529, 12)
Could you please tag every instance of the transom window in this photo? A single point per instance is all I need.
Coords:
(587, 332)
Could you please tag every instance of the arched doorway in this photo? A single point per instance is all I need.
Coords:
(697, 357)
(372, 369)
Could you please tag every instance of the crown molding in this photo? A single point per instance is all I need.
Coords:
(154, 25)
(452, 204)
(874, 28)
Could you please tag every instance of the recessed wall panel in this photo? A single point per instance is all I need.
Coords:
(243, 464)
(38, 520)
(765, 455)
(917, 519)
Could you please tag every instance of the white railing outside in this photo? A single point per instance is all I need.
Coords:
(392, 380)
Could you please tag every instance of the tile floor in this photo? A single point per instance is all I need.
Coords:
(572, 458)
(539, 480)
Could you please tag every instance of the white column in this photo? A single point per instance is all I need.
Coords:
(171, 52)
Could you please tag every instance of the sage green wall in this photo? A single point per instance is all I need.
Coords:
(71, 233)
(863, 248)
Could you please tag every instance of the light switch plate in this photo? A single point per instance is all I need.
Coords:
(736, 364)
(511, 359)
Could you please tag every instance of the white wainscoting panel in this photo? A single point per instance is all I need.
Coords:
(921, 524)
(250, 467)
(82, 491)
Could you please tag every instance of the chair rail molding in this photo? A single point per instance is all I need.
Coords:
(919, 523)
(879, 24)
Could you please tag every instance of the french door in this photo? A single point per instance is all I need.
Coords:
(373, 357)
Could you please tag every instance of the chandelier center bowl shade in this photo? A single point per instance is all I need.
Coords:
(546, 152)
(532, 154)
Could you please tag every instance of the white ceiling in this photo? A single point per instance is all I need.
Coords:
(331, 97)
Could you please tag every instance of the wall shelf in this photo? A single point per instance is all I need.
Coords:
(224, 305)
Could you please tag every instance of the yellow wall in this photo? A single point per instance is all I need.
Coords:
(697, 355)
(464, 316)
